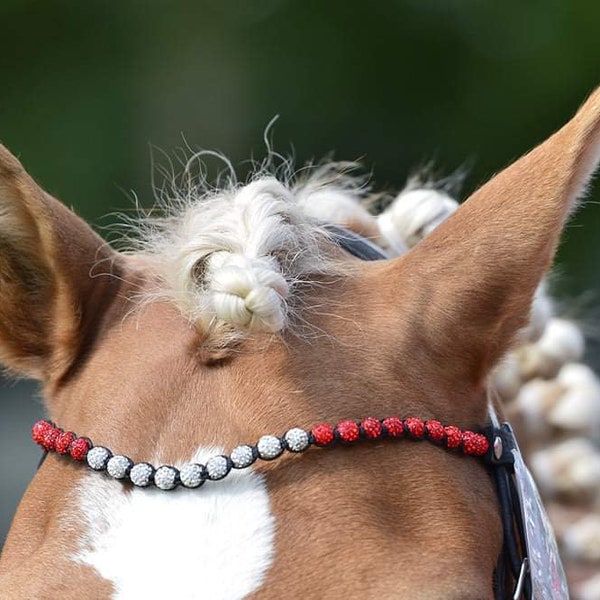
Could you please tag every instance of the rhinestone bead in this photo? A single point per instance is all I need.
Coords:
(269, 447)
(435, 431)
(118, 466)
(141, 474)
(39, 430)
(415, 427)
(297, 439)
(49, 439)
(323, 434)
(79, 448)
(165, 477)
(394, 427)
(372, 428)
(475, 444)
(192, 475)
(98, 457)
(348, 431)
(217, 467)
(63, 441)
(242, 456)
(453, 436)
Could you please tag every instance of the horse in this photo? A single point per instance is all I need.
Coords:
(242, 317)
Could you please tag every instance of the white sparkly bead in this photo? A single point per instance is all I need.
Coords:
(242, 456)
(165, 477)
(192, 475)
(118, 466)
(97, 457)
(141, 474)
(217, 467)
(269, 447)
(297, 439)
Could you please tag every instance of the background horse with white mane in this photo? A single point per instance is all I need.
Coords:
(239, 317)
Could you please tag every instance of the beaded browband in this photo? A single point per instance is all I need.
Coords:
(268, 447)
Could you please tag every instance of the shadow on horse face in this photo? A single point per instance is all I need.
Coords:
(242, 317)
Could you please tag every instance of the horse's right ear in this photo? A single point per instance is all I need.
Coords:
(48, 297)
(467, 288)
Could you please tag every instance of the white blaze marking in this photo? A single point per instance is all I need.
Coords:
(216, 542)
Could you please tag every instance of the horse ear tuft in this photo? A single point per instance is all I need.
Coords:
(46, 254)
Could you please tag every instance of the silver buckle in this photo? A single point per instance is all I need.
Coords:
(521, 580)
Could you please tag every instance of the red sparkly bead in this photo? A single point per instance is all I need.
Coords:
(79, 448)
(348, 431)
(394, 427)
(475, 444)
(39, 430)
(453, 436)
(372, 428)
(435, 431)
(323, 434)
(49, 439)
(415, 427)
(63, 441)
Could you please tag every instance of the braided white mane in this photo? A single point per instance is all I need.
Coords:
(233, 259)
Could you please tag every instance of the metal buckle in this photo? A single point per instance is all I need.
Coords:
(521, 580)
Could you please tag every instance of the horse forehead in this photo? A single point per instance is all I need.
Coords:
(156, 335)
(140, 348)
(215, 542)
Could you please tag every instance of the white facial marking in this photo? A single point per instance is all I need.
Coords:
(216, 542)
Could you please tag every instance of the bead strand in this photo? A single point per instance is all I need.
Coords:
(268, 447)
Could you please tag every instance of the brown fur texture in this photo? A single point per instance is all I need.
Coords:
(51, 297)
(413, 336)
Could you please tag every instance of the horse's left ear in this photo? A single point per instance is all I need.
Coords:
(467, 288)
(48, 298)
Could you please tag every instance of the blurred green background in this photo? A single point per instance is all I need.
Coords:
(86, 87)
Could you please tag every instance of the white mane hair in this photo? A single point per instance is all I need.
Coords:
(416, 212)
(234, 257)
